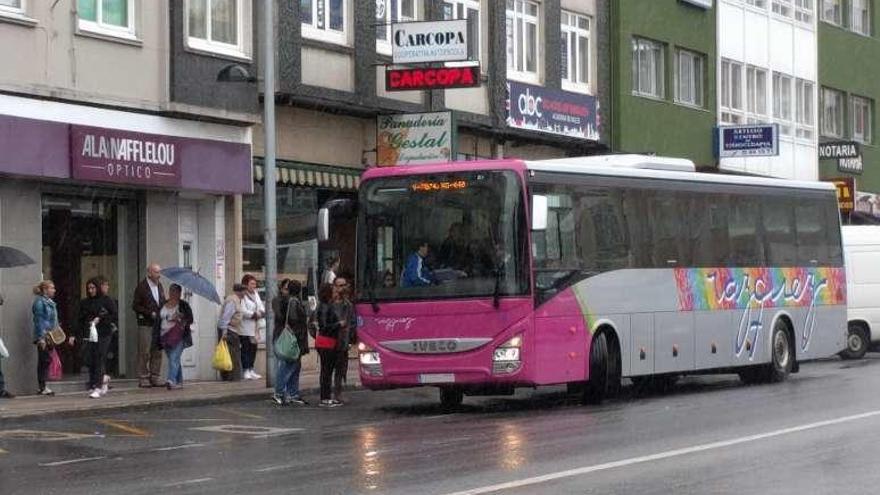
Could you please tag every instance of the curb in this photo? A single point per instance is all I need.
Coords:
(158, 403)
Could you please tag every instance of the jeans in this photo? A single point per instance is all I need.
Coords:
(97, 354)
(175, 371)
(328, 365)
(42, 366)
(248, 353)
(287, 377)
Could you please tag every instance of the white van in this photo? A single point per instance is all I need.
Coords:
(861, 247)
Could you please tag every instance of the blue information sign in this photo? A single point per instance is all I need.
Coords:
(747, 140)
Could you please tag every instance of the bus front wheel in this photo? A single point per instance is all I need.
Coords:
(604, 378)
(451, 397)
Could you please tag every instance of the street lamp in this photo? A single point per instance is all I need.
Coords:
(237, 73)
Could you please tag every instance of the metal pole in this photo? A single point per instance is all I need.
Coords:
(269, 179)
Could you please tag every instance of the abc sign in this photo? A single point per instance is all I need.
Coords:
(529, 105)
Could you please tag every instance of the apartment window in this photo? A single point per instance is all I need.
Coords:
(731, 92)
(761, 4)
(861, 17)
(782, 7)
(470, 10)
(782, 102)
(648, 69)
(11, 7)
(522, 39)
(689, 67)
(804, 109)
(832, 11)
(108, 17)
(323, 20)
(388, 11)
(756, 94)
(575, 52)
(832, 113)
(861, 119)
(803, 11)
(217, 26)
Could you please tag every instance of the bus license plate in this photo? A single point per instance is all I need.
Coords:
(437, 378)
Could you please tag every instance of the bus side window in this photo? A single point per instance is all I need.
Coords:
(745, 241)
(778, 221)
(812, 240)
(832, 221)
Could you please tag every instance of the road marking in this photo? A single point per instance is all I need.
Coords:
(662, 455)
(72, 461)
(253, 431)
(274, 468)
(239, 413)
(123, 426)
(178, 447)
(44, 435)
(188, 482)
(3, 451)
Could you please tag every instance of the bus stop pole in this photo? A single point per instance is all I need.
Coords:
(270, 227)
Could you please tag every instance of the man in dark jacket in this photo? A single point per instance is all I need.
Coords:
(149, 296)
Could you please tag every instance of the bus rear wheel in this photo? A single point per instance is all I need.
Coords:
(451, 398)
(604, 379)
(782, 358)
(856, 342)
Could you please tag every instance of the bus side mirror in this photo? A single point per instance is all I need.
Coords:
(539, 212)
(323, 224)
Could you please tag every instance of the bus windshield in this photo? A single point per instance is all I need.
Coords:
(442, 236)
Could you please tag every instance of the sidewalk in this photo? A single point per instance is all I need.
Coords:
(194, 393)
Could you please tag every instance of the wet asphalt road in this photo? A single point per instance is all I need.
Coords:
(817, 433)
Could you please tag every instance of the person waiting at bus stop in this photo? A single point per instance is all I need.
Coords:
(416, 272)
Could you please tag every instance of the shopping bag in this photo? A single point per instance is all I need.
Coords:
(55, 371)
(93, 332)
(286, 346)
(222, 359)
(4, 352)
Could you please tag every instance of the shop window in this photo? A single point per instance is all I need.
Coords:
(782, 102)
(107, 17)
(832, 113)
(731, 92)
(689, 70)
(469, 10)
(804, 102)
(648, 71)
(861, 119)
(575, 45)
(324, 20)
(523, 32)
(832, 12)
(803, 11)
(756, 95)
(387, 12)
(218, 26)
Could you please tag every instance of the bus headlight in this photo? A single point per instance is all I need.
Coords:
(506, 357)
(370, 361)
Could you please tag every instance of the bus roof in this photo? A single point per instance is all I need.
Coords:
(657, 167)
(623, 165)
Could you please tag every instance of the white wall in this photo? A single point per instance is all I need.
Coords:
(761, 38)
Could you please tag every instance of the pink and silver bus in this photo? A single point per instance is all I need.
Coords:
(481, 277)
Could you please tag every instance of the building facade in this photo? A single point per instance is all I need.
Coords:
(849, 52)
(331, 89)
(767, 71)
(119, 146)
(664, 78)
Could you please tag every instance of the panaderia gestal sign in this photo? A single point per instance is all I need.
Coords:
(124, 157)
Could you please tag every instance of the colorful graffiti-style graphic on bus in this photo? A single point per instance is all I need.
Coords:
(756, 289)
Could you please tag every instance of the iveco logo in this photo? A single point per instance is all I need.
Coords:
(434, 346)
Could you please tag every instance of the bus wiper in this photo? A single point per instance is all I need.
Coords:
(372, 295)
(496, 296)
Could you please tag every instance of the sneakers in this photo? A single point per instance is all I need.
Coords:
(298, 401)
(95, 394)
(6, 395)
(251, 375)
(329, 403)
(47, 391)
(277, 399)
(173, 386)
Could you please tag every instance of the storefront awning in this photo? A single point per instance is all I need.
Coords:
(292, 173)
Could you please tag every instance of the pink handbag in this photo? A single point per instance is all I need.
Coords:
(55, 371)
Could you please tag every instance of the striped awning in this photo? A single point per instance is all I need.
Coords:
(311, 175)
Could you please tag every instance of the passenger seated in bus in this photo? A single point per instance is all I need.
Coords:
(416, 272)
(453, 251)
(388, 280)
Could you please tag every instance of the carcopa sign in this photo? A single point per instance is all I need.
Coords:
(552, 111)
(429, 41)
